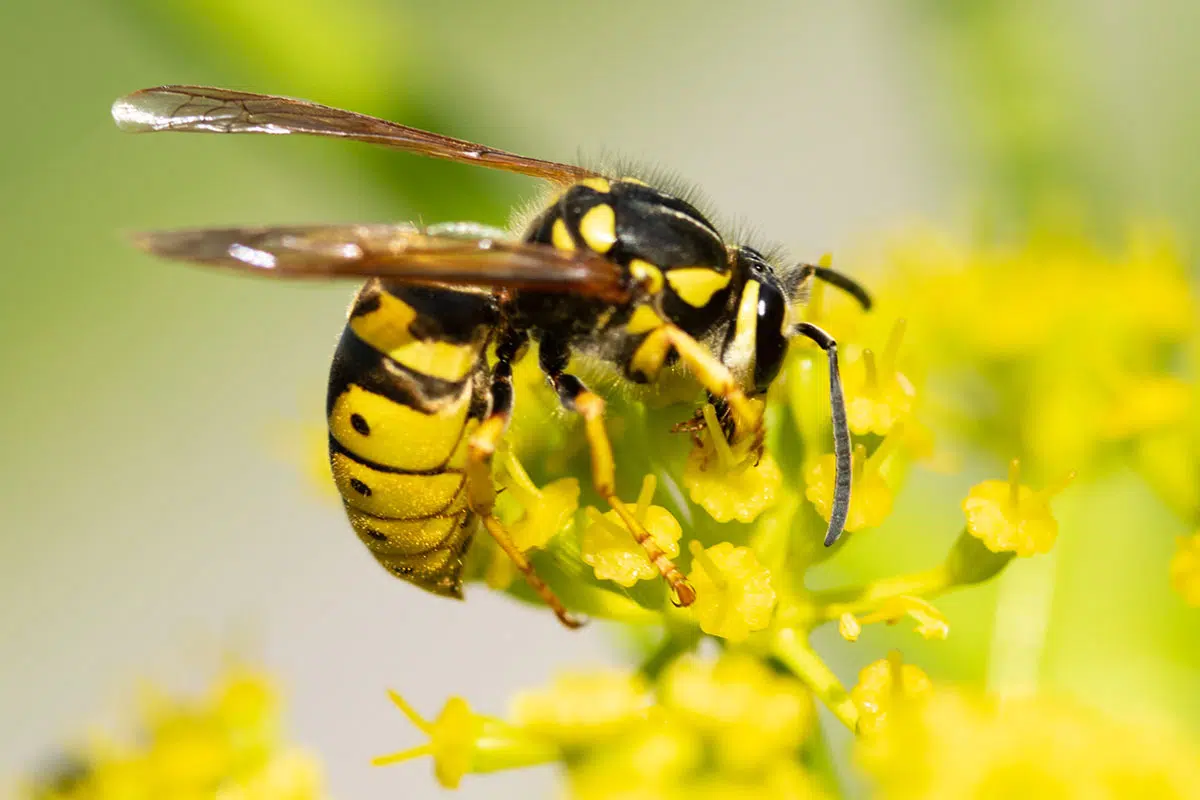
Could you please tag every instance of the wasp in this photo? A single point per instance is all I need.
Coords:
(420, 389)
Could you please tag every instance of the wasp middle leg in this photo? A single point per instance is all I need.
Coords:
(481, 491)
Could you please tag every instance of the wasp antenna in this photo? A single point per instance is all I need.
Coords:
(841, 432)
(838, 279)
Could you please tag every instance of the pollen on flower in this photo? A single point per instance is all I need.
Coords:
(583, 708)
(1009, 516)
(610, 550)
(734, 594)
(881, 686)
(1185, 569)
(870, 498)
(547, 511)
(753, 715)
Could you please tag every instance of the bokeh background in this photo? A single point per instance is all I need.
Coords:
(155, 510)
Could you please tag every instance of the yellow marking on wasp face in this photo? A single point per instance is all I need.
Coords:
(643, 319)
(646, 274)
(598, 227)
(387, 330)
(400, 537)
(739, 356)
(697, 285)
(396, 435)
(388, 494)
(560, 237)
(599, 184)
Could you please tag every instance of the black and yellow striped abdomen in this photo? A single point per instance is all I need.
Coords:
(407, 387)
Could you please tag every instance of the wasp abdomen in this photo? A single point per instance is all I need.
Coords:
(404, 397)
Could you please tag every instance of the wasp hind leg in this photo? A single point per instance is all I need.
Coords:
(481, 491)
(575, 396)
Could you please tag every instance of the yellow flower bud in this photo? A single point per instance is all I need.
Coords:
(1008, 516)
(734, 595)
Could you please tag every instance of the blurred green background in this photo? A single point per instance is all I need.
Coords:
(149, 515)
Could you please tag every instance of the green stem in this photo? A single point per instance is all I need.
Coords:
(795, 652)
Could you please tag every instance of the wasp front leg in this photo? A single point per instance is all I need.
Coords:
(651, 355)
(481, 491)
(575, 396)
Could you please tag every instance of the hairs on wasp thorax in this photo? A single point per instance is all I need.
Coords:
(608, 266)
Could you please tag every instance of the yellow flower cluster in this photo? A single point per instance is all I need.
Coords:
(1073, 342)
(732, 724)
(227, 745)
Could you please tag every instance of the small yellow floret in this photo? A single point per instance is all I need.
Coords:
(878, 395)
(870, 496)
(582, 708)
(881, 685)
(931, 623)
(462, 742)
(1185, 569)
(1009, 516)
(734, 595)
(610, 550)
(548, 511)
(727, 481)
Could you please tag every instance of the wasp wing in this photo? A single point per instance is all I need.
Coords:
(211, 110)
(394, 252)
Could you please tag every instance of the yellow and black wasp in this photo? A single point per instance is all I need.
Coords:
(420, 391)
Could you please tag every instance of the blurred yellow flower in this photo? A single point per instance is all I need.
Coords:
(727, 483)
(881, 686)
(951, 745)
(610, 550)
(754, 716)
(582, 707)
(1185, 569)
(648, 761)
(1009, 516)
(734, 595)
(228, 744)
